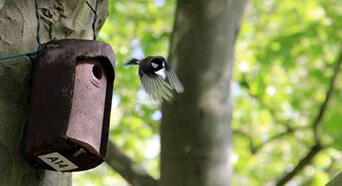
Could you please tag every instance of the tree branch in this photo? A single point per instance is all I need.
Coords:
(132, 172)
(316, 125)
(254, 148)
(301, 164)
(323, 108)
(250, 140)
(289, 130)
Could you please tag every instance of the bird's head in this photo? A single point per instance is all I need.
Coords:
(155, 59)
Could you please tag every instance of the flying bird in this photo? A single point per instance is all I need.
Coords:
(154, 84)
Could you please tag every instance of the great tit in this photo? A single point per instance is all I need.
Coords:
(154, 84)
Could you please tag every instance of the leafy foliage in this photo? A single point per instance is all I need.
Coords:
(285, 57)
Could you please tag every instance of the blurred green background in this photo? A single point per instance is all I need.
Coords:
(285, 59)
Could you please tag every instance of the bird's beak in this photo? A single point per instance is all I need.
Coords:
(132, 62)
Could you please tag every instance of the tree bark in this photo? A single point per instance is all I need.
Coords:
(195, 130)
(336, 181)
(59, 19)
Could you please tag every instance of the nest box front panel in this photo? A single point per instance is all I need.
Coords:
(86, 118)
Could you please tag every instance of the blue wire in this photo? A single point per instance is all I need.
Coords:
(32, 53)
(38, 21)
(95, 17)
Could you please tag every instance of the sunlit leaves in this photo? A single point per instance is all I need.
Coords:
(285, 58)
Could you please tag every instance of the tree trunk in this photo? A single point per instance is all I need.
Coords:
(195, 130)
(59, 19)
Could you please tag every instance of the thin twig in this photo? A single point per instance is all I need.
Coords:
(256, 148)
(289, 130)
(244, 134)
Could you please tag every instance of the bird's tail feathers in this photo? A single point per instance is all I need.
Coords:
(133, 61)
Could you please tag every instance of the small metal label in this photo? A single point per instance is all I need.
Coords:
(58, 162)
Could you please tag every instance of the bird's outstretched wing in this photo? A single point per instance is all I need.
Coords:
(173, 79)
(156, 86)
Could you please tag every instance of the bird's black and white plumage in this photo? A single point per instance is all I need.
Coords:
(154, 84)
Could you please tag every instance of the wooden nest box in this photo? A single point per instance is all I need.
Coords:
(71, 98)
